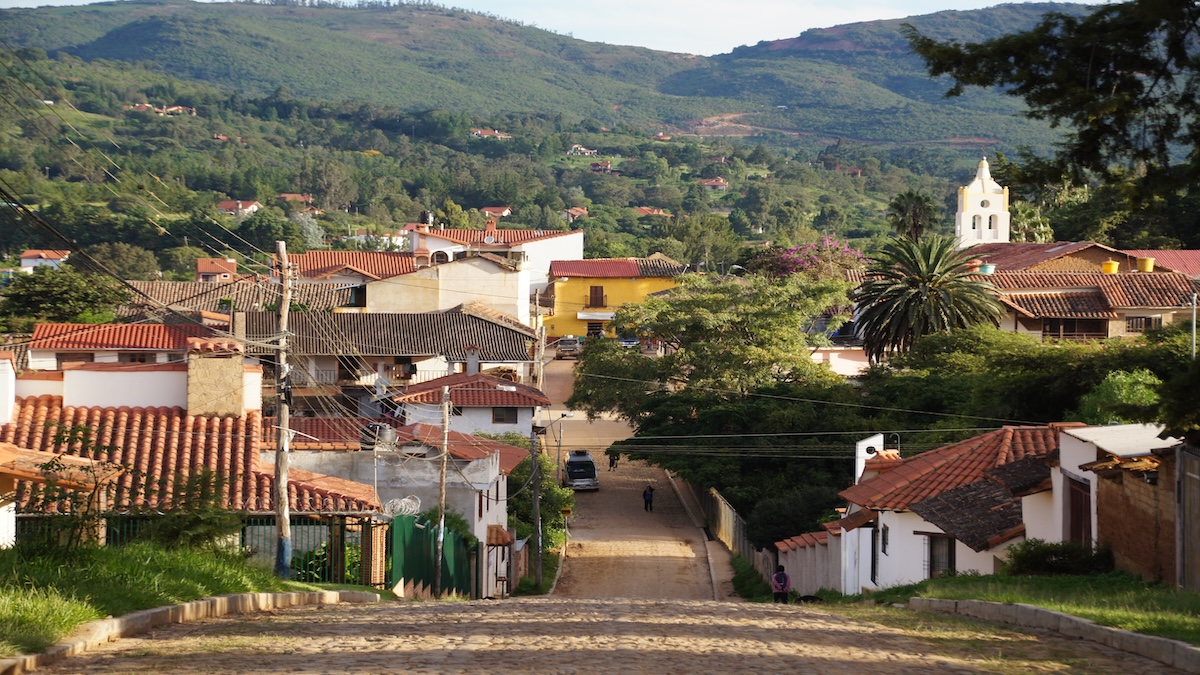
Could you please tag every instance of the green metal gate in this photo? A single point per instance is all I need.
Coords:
(414, 551)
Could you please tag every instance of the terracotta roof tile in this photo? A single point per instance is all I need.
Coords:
(1187, 262)
(163, 444)
(472, 391)
(450, 333)
(501, 239)
(160, 337)
(620, 268)
(238, 296)
(1010, 256)
(46, 254)
(1078, 304)
(373, 264)
(464, 446)
(931, 473)
(498, 536)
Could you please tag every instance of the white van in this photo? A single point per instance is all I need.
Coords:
(580, 472)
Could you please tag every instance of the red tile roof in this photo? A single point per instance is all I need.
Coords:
(154, 336)
(617, 268)
(372, 264)
(1187, 262)
(163, 444)
(216, 266)
(500, 238)
(936, 471)
(1015, 256)
(1080, 305)
(1132, 289)
(46, 254)
(464, 446)
(474, 391)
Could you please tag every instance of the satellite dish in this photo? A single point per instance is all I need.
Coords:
(489, 239)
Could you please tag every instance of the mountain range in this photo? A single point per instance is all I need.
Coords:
(856, 82)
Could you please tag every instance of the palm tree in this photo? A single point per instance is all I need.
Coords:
(911, 213)
(920, 287)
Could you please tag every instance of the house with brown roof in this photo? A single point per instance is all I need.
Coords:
(480, 402)
(216, 302)
(573, 214)
(532, 250)
(237, 207)
(949, 510)
(587, 293)
(54, 345)
(718, 184)
(403, 462)
(495, 212)
(578, 150)
(650, 211)
(350, 361)
(1184, 261)
(1092, 305)
(601, 167)
(350, 267)
(490, 134)
(215, 269)
(43, 257)
(492, 280)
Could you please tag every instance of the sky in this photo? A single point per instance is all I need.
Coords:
(704, 27)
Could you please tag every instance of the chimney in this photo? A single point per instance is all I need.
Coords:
(491, 225)
(472, 360)
(239, 204)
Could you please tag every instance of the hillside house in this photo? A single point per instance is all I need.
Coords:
(479, 403)
(717, 184)
(41, 257)
(577, 150)
(495, 212)
(238, 208)
(210, 270)
(489, 134)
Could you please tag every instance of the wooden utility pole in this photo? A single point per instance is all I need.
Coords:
(283, 389)
(539, 354)
(535, 477)
(441, 533)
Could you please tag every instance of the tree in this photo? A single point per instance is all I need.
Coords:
(1122, 398)
(62, 295)
(1122, 80)
(728, 334)
(123, 260)
(920, 287)
(911, 214)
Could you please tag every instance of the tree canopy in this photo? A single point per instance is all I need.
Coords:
(1123, 80)
(61, 295)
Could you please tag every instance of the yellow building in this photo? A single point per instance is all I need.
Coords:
(588, 292)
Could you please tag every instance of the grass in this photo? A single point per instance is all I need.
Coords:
(44, 597)
(528, 585)
(1115, 599)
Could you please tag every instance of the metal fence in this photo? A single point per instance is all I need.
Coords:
(728, 527)
(414, 544)
(343, 549)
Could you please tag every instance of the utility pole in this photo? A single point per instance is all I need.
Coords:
(441, 533)
(535, 477)
(283, 389)
(539, 369)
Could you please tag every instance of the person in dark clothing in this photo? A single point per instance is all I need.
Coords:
(648, 497)
(612, 462)
(781, 585)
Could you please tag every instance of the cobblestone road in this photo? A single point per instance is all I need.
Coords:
(582, 636)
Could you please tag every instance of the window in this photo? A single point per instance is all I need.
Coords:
(596, 297)
(440, 257)
(76, 357)
(1140, 324)
(1079, 511)
(883, 540)
(992, 220)
(456, 411)
(975, 221)
(595, 329)
(504, 415)
(941, 555)
(135, 357)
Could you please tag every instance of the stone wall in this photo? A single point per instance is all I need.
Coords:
(215, 385)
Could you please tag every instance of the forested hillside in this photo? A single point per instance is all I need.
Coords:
(855, 82)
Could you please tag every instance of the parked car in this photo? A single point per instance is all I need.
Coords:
(568, 345)
(629, 342)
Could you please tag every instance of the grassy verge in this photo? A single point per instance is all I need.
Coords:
(1116, 599)
(528, 585)
(45, 597)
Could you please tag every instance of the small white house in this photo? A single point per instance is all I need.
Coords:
(479, 403)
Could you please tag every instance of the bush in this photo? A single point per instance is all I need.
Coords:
(1037, 557)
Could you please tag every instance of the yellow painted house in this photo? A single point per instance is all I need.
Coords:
(588, 292)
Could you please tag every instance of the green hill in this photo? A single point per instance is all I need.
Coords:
(856, 81)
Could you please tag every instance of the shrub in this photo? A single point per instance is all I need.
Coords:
(1038, 557)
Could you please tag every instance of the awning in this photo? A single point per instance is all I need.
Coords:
(498, 536)
(595, 316)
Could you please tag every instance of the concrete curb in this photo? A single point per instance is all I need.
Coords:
(712, 572)
(1174, 653)
(95, 633)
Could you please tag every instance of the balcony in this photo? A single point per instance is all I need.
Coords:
(595, 300)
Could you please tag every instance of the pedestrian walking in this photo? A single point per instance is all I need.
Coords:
(612, 462)
(648, 497)
(781, 585)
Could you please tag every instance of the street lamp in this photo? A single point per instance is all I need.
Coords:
(560, 439)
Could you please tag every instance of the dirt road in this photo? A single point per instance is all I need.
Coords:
(619, 550)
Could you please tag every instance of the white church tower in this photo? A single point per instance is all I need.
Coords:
(982, 210)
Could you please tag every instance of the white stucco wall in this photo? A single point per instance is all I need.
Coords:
(397, 475)
(115, 388)
(8, 525)
(1072, 453)
(448, 285)
(34, 387)
(8, 390)
(252, 382)
(472, 421)
(845, 361)
(541, 253)
(856, 561)
(47, 359)
(1043, 514)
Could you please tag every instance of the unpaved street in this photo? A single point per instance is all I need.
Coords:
(618, 550)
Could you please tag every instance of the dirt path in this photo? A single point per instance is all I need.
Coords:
(619, 550)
